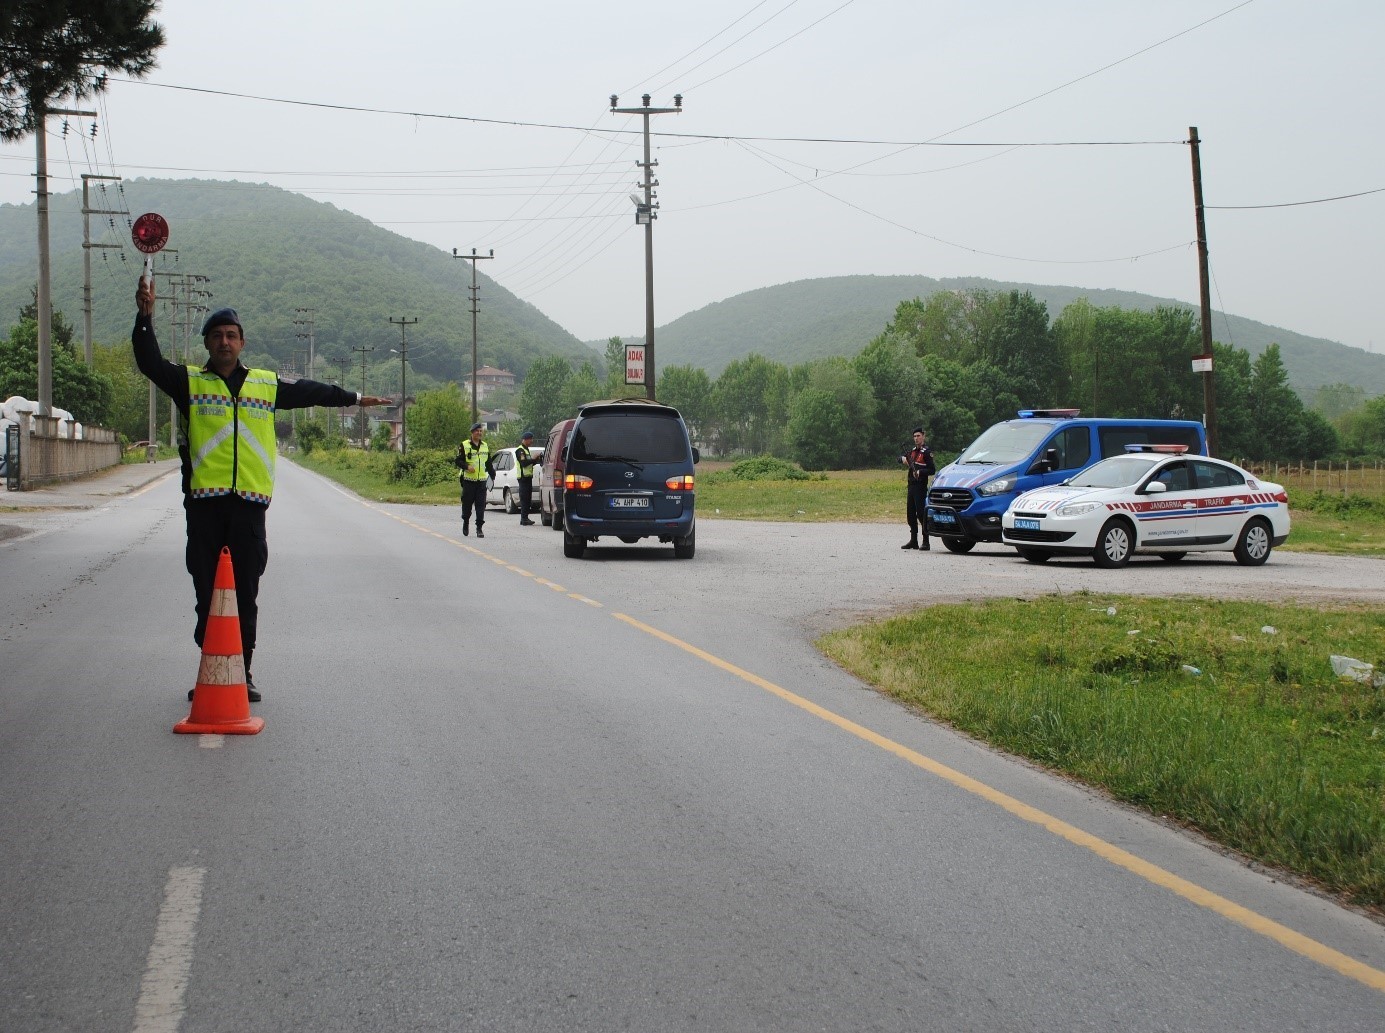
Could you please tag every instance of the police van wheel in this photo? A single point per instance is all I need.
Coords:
(958, 545)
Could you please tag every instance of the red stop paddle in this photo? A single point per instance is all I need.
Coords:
(150, 234)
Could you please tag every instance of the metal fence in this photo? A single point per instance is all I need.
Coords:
(39, 451)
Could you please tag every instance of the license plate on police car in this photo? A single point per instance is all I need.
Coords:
(630, 502)
(1026, 525)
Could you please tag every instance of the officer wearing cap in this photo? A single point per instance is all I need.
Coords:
(227, 445)
(475, 466)
(921, 466)
(524, 473)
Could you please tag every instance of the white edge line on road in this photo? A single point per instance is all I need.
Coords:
(1190, 891)
(163, 989)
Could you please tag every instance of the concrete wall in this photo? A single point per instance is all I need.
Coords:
(48, 453)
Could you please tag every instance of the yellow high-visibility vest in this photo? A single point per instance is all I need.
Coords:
(231, 440)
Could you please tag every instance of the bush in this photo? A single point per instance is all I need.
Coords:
(422, 467)
(1337, 505)
(766, 468)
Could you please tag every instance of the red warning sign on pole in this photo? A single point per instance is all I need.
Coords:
(634, 364)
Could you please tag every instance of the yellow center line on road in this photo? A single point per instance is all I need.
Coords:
(1190, 891)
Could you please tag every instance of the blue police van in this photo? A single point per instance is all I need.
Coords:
(1040, 447)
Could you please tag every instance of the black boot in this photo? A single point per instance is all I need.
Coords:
(912, 543)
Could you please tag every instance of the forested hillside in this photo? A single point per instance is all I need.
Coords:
(813, 319)
(269, 252)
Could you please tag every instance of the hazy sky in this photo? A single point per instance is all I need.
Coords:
(817, 138)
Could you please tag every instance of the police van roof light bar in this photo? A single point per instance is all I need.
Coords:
(1058, 414)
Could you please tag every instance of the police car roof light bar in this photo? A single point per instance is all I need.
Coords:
(1177, 450)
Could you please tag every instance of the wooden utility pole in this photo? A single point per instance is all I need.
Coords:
(87, 212)
(646, 212)
(1209, 400)
(473, 258)
(404, 325)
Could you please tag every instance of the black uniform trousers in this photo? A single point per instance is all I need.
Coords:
(918, 509)
(233, 522)
(526, 496)
(474, 497)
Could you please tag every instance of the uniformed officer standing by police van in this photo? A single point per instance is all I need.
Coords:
(919, 461)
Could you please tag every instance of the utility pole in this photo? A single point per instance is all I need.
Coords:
(646, 212)
(473, 258)
(1209, 400)
(360, 409)
(304, 317)
(44, 299)
(404, 324)
(177, 326)
(87, 212)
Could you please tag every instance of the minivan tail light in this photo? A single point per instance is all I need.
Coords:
(576, 482)
(683, 483)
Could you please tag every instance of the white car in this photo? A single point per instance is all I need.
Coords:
(503, 488)
(1155, 499)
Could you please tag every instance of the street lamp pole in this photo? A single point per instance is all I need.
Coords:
(473, 258)
(645, 214)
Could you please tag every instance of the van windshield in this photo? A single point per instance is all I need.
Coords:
(1005, 443)
(629, 438)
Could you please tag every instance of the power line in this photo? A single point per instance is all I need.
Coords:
(1291, 204)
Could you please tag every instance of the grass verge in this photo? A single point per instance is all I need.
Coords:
(1185, 707)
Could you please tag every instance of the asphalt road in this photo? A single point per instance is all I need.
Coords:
(502, 790)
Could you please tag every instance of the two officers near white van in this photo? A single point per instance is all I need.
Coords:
(919, 462)
(476, 466)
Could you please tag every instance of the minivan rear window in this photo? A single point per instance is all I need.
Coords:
(629, 437)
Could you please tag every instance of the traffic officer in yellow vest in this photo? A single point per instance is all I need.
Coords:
(524, 474)
(476, 466)
(227, 445)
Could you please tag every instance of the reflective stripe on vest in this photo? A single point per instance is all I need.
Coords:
(526, 463)
(231, 440)
(476, 456)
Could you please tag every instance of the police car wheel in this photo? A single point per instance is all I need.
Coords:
(1036, 555)
(1114, 544)
(1254, 544)
(1172, 557)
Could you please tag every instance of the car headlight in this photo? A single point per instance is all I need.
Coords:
(998, 487)
(1076, 509)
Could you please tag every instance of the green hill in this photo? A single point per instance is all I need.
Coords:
(269, 252)
(813, 319)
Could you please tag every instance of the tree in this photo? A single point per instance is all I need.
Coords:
(439, 419)
(818, 421)
(129, 412)
(83, 392)
(750, 398)
(899, 384)
(689, 390)
(541, 400)
(844, 431)
(615, 368)
(582, 387)
(56, 48)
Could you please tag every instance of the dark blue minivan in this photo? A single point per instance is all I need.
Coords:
(628, 474)
(1042, 446)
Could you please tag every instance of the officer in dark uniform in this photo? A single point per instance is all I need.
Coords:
(919, 461)
(524, 473)
(227, 445)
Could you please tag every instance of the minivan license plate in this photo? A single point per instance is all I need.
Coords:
(630, 502)
(941, 518)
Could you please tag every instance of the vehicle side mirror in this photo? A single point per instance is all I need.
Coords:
(1156, 488)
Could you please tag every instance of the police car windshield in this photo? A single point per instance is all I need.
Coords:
(1119, 472)
(1006, 443)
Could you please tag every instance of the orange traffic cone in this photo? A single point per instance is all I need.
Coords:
(220, 701)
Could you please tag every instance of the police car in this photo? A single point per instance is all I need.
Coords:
(1154, 499)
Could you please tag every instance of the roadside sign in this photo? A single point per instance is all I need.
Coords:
(634, 364)
(1202, 364)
